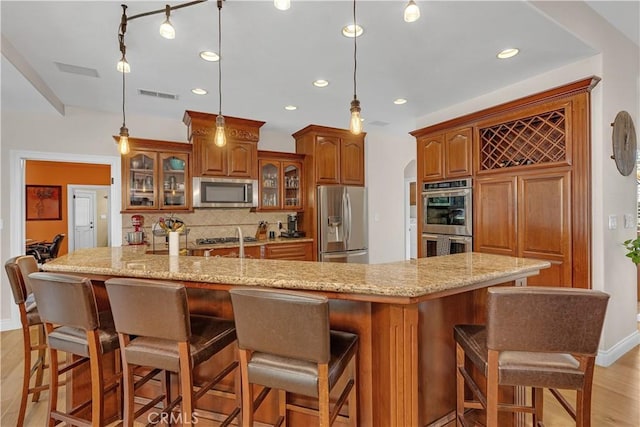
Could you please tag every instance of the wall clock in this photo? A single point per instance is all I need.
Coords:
(623, 139)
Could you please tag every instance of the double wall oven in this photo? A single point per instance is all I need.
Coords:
(447, 217)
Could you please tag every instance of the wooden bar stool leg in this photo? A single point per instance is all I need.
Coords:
(42, 355)
(459, 385)
(186, 383)
(537, 399)
(282, 406)
(97, 379)
(353, 395)
(26, 375)
(53, 382)
(323, 395)
(492, 389)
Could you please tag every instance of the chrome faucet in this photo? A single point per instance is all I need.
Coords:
(241, 241)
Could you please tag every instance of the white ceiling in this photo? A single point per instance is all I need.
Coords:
(270, 57)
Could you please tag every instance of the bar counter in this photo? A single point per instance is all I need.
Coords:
(403, 312)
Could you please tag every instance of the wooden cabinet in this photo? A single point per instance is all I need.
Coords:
(156, 177)
(337, 155)
(445, 155)
(238, 159)
(298, 251)
(280, 181)
(527, 216)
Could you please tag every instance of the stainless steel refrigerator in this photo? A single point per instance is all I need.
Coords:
(342, 224)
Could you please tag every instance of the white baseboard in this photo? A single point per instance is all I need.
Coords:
(608, 357)
(9, 325)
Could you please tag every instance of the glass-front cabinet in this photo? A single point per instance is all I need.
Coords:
(156, 177)
(280, 181)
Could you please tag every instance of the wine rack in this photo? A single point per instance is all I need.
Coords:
(536, 139)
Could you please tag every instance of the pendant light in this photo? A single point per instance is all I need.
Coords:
(355, 124)
(123, 65)
(411, 12)
(220, 139)
(166, 29)
(123, 142)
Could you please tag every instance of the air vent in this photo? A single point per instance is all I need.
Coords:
(157, 94)
(378, 123)
(74, 69)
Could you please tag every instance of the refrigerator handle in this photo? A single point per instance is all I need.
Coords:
(348, 213)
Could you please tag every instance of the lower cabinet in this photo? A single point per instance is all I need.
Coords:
(296, 251)
(301, 251)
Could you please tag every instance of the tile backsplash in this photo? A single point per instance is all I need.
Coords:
(212, 222)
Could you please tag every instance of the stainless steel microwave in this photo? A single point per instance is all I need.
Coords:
(224, 193)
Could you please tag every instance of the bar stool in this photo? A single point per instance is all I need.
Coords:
(537, 337)
(18, 268)
(285, 343)
(156, 330)
(73, 325)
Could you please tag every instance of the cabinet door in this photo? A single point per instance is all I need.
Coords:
(211, 158)
(352, 161)
(431, 157)
(457, 153)
(140, 171)
(327, 160)
(175, 187)
(270, 185)
(243, 158)
(544, 225)
(290, 251)
(494, 228)
(292, 184)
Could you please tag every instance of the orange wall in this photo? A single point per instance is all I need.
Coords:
(60, 173)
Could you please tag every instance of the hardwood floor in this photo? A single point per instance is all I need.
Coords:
(616, 391)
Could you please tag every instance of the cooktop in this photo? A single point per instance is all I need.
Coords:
(218, 240)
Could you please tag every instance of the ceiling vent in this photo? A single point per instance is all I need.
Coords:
(157, 94)
(74, 69)
(378, 123)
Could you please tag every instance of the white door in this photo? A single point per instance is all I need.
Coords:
(84, 219)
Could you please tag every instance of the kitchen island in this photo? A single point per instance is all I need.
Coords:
(403, 312)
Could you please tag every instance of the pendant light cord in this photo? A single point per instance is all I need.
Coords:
(355, 51)
(123, 114)
(219, 57)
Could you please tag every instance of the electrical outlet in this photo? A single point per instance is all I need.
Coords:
(279, 225)
(628, 220)
(613, 222)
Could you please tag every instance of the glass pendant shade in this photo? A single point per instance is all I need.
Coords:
(123, 66)
(355, 124)
(123, 143)
(220, 138)
(282, 4)
(167, 31)
(411, 12)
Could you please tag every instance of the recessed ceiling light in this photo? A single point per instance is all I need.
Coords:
(352, 30)
(209, 56)
(290, 107)
(321, 83)
(399, 101)
(508, 53)
(199, 91)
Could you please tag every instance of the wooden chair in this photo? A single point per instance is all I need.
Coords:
(156, 330)
(536, 337)
(73, 325)
(18, 269)
(285, 343)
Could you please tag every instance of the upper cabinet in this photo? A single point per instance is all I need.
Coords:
(237, 159)
(337, 156)
(156, 176)
(445, 155)
(280, 181)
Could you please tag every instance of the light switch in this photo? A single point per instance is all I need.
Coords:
(629, 221)
(613, 222)
(1, 224)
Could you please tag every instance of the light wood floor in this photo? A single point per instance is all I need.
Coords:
(616, 391)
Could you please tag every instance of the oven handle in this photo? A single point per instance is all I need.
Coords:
(459, 238)
(447, 193)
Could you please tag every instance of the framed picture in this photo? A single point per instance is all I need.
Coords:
(43, 202)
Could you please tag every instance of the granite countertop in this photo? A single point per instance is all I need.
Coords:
(414, 278)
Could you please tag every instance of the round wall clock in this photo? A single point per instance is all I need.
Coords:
(623, 140)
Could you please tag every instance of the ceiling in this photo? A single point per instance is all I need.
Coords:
(271, 57)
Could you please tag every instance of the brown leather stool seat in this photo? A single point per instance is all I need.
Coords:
(73, 324)
(156, 330)
(535, 337)
(285, 344)
(18, 270)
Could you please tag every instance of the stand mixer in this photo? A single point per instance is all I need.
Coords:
(137, 236)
